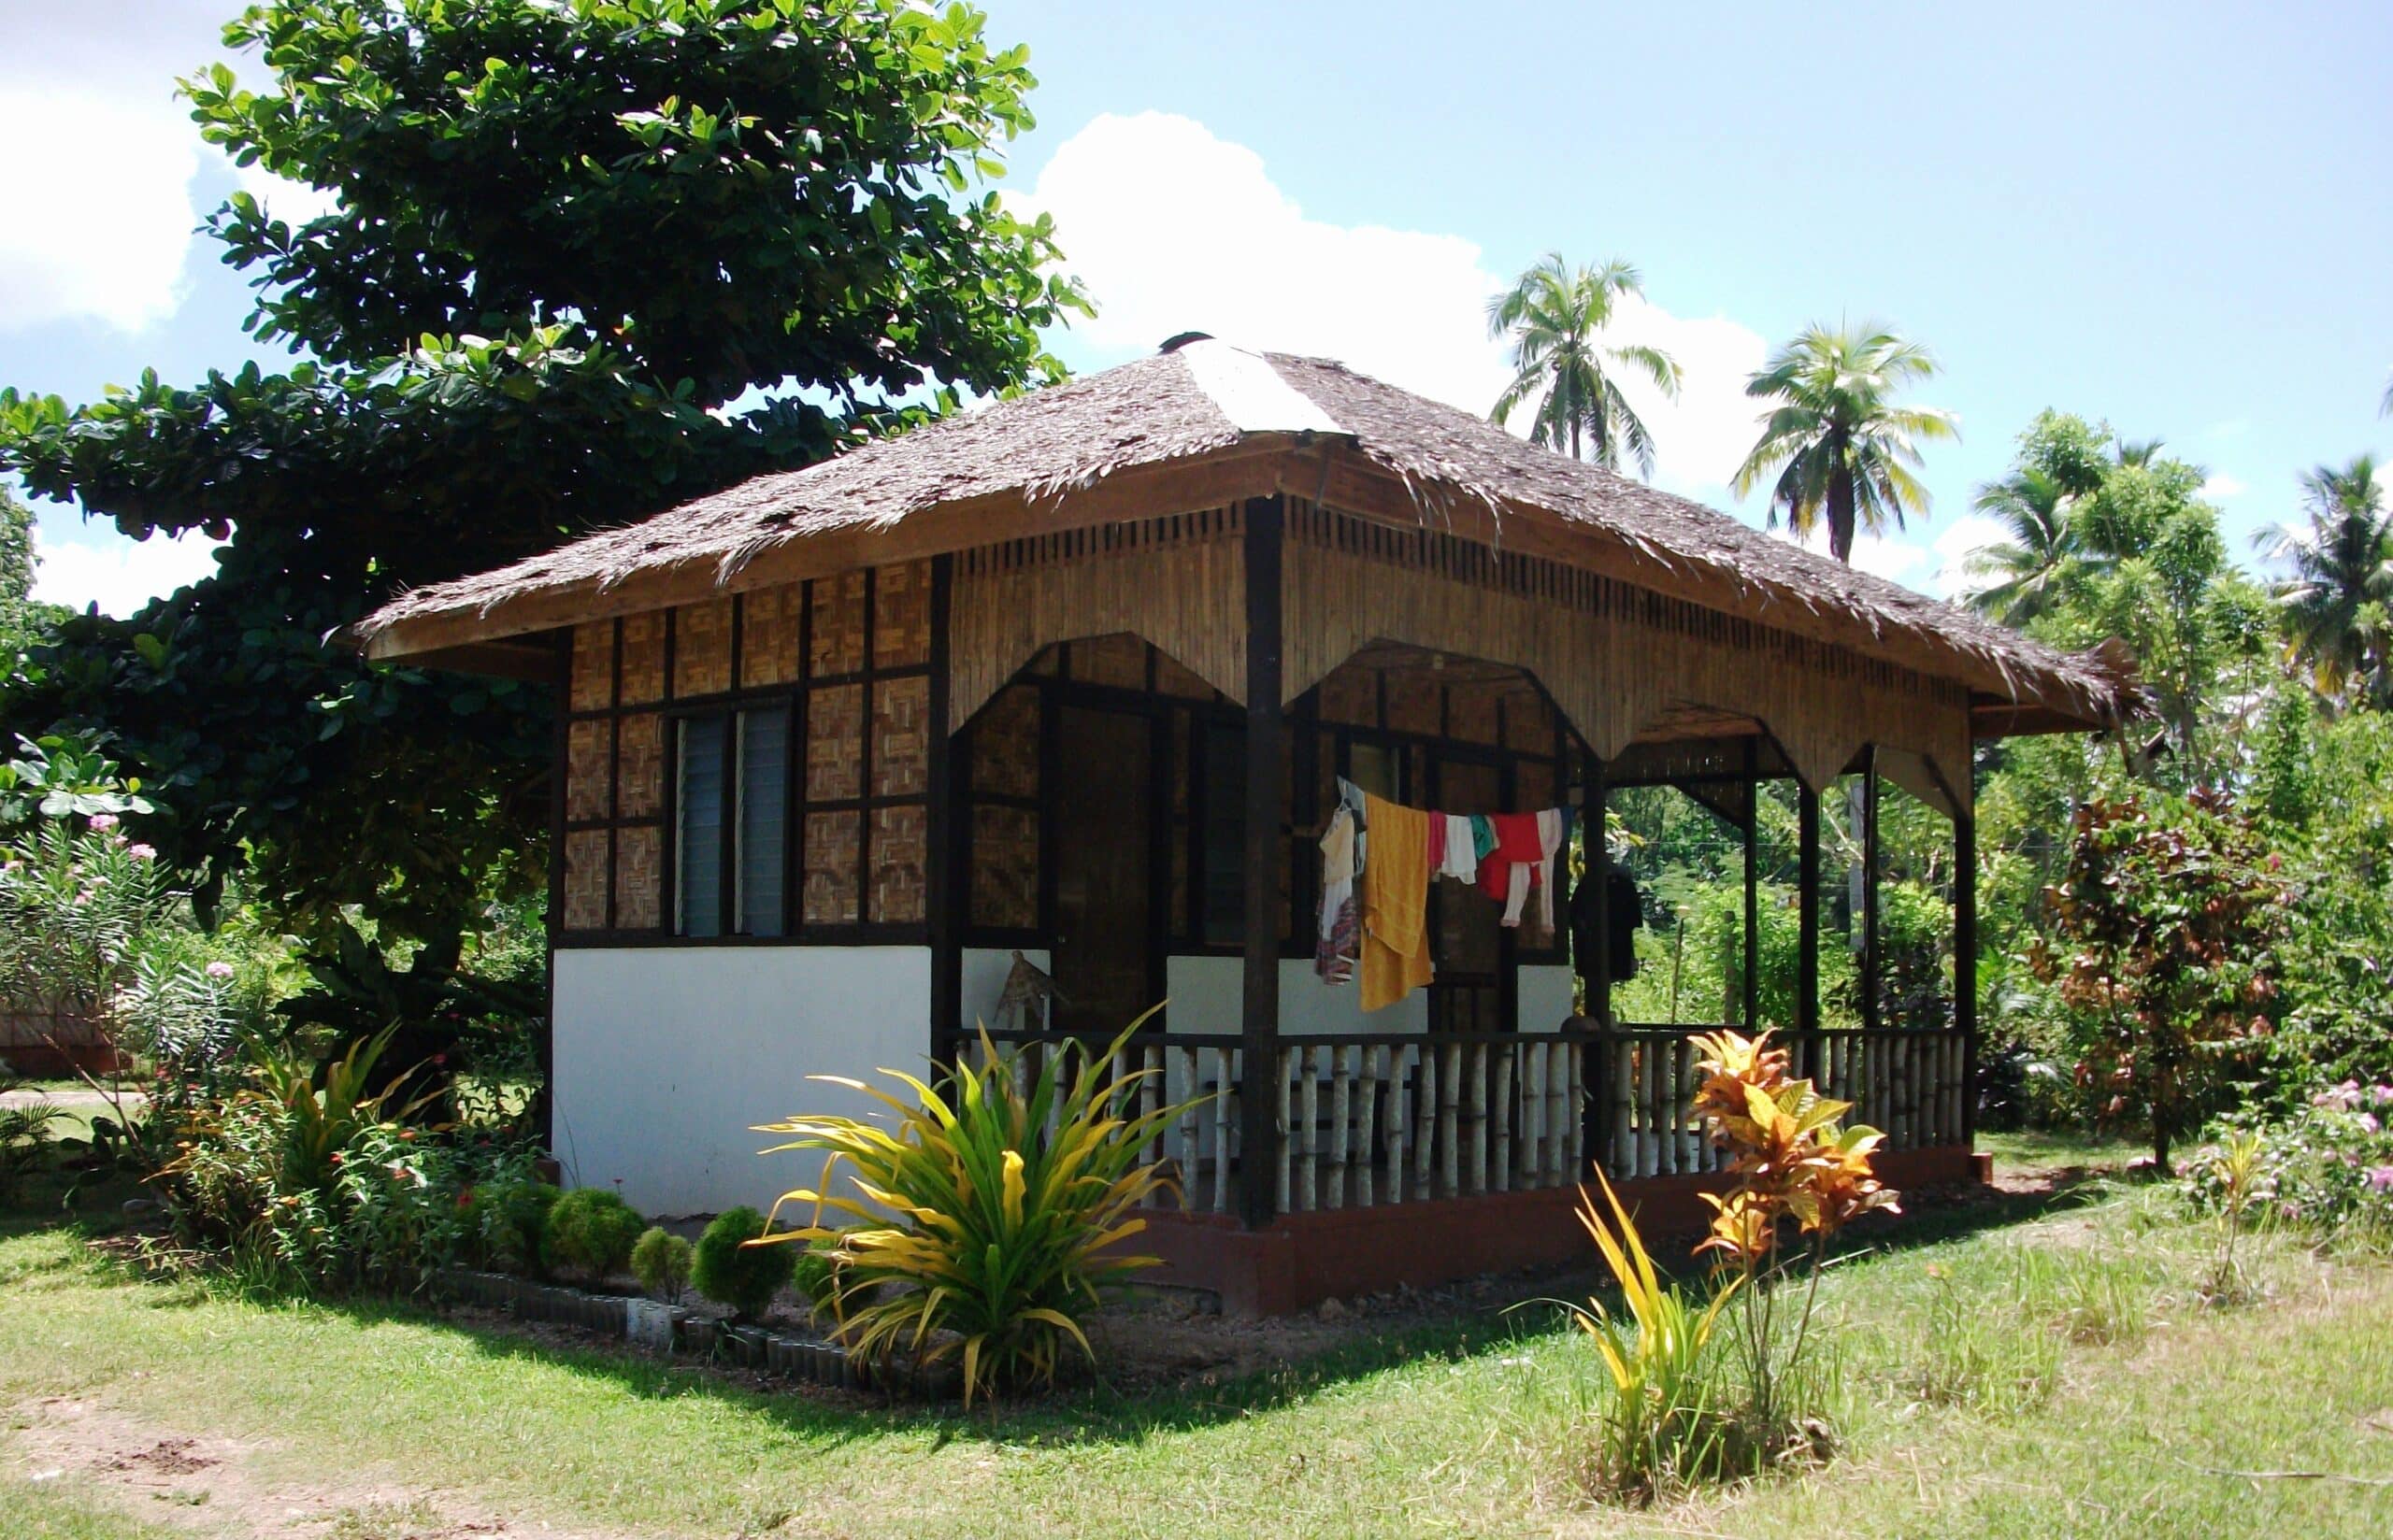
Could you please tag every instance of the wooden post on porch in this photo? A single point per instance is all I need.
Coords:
(1807, 909)
(1752, 886)
(1872, 956)
(1265, 732)
(1965, 958)
(1597, 1079)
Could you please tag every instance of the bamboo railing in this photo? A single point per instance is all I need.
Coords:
(1368, 1119)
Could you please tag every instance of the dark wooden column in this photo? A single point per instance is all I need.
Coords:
(1596, 841)
(942, 887)
(1265, 761)
(1752, 886)
(1807, 909)
(1872, 953)
(1965, 957)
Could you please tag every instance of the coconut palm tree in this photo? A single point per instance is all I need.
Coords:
(2333, 604)
(1555, 318)
(1840, 449)
(2033, 567)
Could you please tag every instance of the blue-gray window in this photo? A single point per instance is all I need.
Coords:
(730, 823)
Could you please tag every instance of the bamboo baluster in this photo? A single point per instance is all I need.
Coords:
(1533, 1116)
(1500, 1135)
(1190, 1164)
(1645, 1150)
(1225, 1115)
(1559, 1057)
(1288, 1155)
(1341, 1092)
(1574, 1124)
(1151, 1098)
(1682, 1157)
(1308, 1130)
(1449, 1096)
(1368, 1088)
(1425, 1132)
(1397, 1114)
(1474, 1121)
(1621, 1063)
(1901, 1057)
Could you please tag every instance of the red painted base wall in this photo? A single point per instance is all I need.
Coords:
(1301, 1260)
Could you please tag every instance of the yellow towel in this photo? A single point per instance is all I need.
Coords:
(1396, 902)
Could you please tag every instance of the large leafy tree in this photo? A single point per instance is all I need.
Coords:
(583, 261)
(1554, 318)
(2333, 602)
(1838, 448)
(2027, 572)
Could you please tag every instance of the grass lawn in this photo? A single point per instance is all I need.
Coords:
(2033, 1367)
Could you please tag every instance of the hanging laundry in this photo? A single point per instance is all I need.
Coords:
(1462, 851)
(1509, 870)
(1396, 902)
(1552, 832)
(1625, 911)
(1334, 951)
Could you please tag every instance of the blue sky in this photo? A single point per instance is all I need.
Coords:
(2173, 217)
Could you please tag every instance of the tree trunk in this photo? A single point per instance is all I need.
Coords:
(1841, 506)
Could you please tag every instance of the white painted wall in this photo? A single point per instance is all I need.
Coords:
(667, 1055)
(1544, 994)
(984, 980)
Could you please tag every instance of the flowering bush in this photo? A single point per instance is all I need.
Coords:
(2327, 1166)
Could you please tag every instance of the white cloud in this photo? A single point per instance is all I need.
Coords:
(2222, 485)
(117, 574)
(99, 180)
(1966, 535)
(1174, 228)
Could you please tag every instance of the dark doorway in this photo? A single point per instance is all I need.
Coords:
(1104, 967)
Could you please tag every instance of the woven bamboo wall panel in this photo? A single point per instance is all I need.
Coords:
(639, 877)
(589, 775)
(643, 661)
(702, 648)
(1613, 665)
(1529, 720)
(1351, 695)
(900, 852)
(1176, 582)
(837, 645)
(901, 616)
(585, 879)
(835, 743)
(1005, 867)
(1177, 680)
(771, 621)
(594, 667)
(1412, 703)
(833, 858)
(639, 767)
(1005, 745)
(901, 736)
(1119, 661)
(1474, 712)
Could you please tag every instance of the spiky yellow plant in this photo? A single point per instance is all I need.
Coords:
(981, 1223)
(1658, 1418)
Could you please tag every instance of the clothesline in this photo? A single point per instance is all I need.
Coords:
(1378, 859)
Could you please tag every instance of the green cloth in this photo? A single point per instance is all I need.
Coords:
(1482, 836)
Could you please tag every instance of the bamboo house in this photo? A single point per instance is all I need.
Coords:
(1035, 717)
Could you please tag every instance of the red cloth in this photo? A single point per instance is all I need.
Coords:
(1516, 843)
(1436, 842)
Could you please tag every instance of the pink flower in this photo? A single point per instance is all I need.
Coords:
(2380, 1179)
(2343, 1098)
(219, 970)
(2367, 1123)
(141, 853)
(2381, 1094)
(103, 822)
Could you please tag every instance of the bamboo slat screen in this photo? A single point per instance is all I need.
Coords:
(851, 656)
(1616, 657)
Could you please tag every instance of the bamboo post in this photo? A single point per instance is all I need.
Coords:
(1449, 1096)
(1574, 1124)
(1474, 1121)
(1623, 1057)
(1533, 1070)
(1424, 1138)
(1341, 1092)
(1397, 1114)
(1189, 1161)
(1281, 1129)
(1370, 1092)
(1561, 1114)
(1227, 1083)
(1499, 1136)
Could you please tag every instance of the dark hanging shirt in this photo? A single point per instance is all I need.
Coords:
(1626, 912)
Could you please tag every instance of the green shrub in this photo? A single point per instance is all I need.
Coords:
(2325, 1167)
(728, 1271)
(1015, 1188)
(661, 1262)
(593, 1228)
(507, 1224)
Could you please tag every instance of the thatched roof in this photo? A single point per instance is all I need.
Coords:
(1042, 461)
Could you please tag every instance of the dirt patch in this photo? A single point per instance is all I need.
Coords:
(213, 1485)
